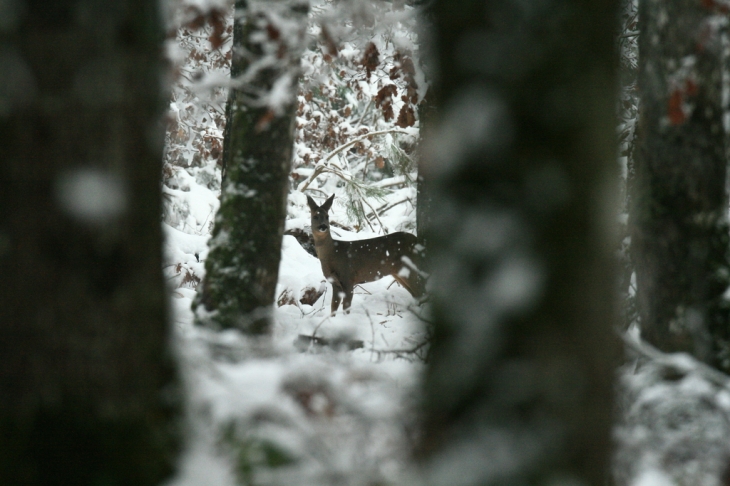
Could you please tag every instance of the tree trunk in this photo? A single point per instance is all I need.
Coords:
(243, 263)
(87, 383)
(519, 386)
(426, 116)
(679, 221)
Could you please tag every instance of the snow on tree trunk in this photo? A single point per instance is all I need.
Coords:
(243, 263)
(519, 387)
(679, 221)
(87, 382)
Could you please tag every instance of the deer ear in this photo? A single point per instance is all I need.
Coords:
(328, 203)
(312, 205)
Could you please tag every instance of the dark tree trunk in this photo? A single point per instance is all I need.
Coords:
(87, 383)
(519, 387)
(243, 263)
(238, 66)
(679, 222)
(628, 103)
(427, 116)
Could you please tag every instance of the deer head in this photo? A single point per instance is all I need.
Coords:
(320, 216)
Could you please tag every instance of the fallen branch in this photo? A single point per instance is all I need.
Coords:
(683, 363)
(387, 207)
(303, 342)
(382, 226)
(404, 352)
(393, 181)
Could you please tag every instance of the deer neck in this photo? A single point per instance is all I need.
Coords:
(323, 243)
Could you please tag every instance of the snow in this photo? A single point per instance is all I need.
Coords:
(347, 417)
(337, 413)
(280, 95)
(653, 477)
(673, 422)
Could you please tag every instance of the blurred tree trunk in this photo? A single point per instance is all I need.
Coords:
(679, 220)
(519, 386)
(88, 388)
(243, 263)
(426, 116)
(628, 103)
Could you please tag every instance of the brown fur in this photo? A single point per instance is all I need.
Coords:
(348, 263)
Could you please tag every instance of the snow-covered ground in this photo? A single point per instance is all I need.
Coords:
(673, 420)
(288, 410)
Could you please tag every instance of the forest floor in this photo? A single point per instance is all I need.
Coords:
(290, 409)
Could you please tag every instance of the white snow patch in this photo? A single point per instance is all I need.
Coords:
(653, 477)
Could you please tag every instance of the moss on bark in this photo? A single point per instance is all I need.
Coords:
(243, 263)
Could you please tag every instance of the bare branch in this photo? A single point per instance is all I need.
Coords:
(321, 167)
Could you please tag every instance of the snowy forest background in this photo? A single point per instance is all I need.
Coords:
(564, 163)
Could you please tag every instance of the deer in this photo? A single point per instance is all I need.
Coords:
(349, 263)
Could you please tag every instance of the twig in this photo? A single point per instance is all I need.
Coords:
(324, 194)
(314, 311)
(362, 210)
(393, 181)
(316, 328)
(317, 171)
(364, 112)
(419, 316)
(372, 332)
(387, 207)
(403, 351)
(321, 168)
(364, 290)
(203, 225)
(341, 226)
(367, 220)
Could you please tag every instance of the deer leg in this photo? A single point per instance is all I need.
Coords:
(414, 284)
(410, 278)
(403, 282)
(336, 297)
(417, 285)
(348, 300)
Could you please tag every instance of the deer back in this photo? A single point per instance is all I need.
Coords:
(375, 258)
(348, 263)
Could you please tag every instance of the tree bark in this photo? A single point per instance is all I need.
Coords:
(243, 263)
(678, 218)
(519, 385)
(88, 388)
(426, 113)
